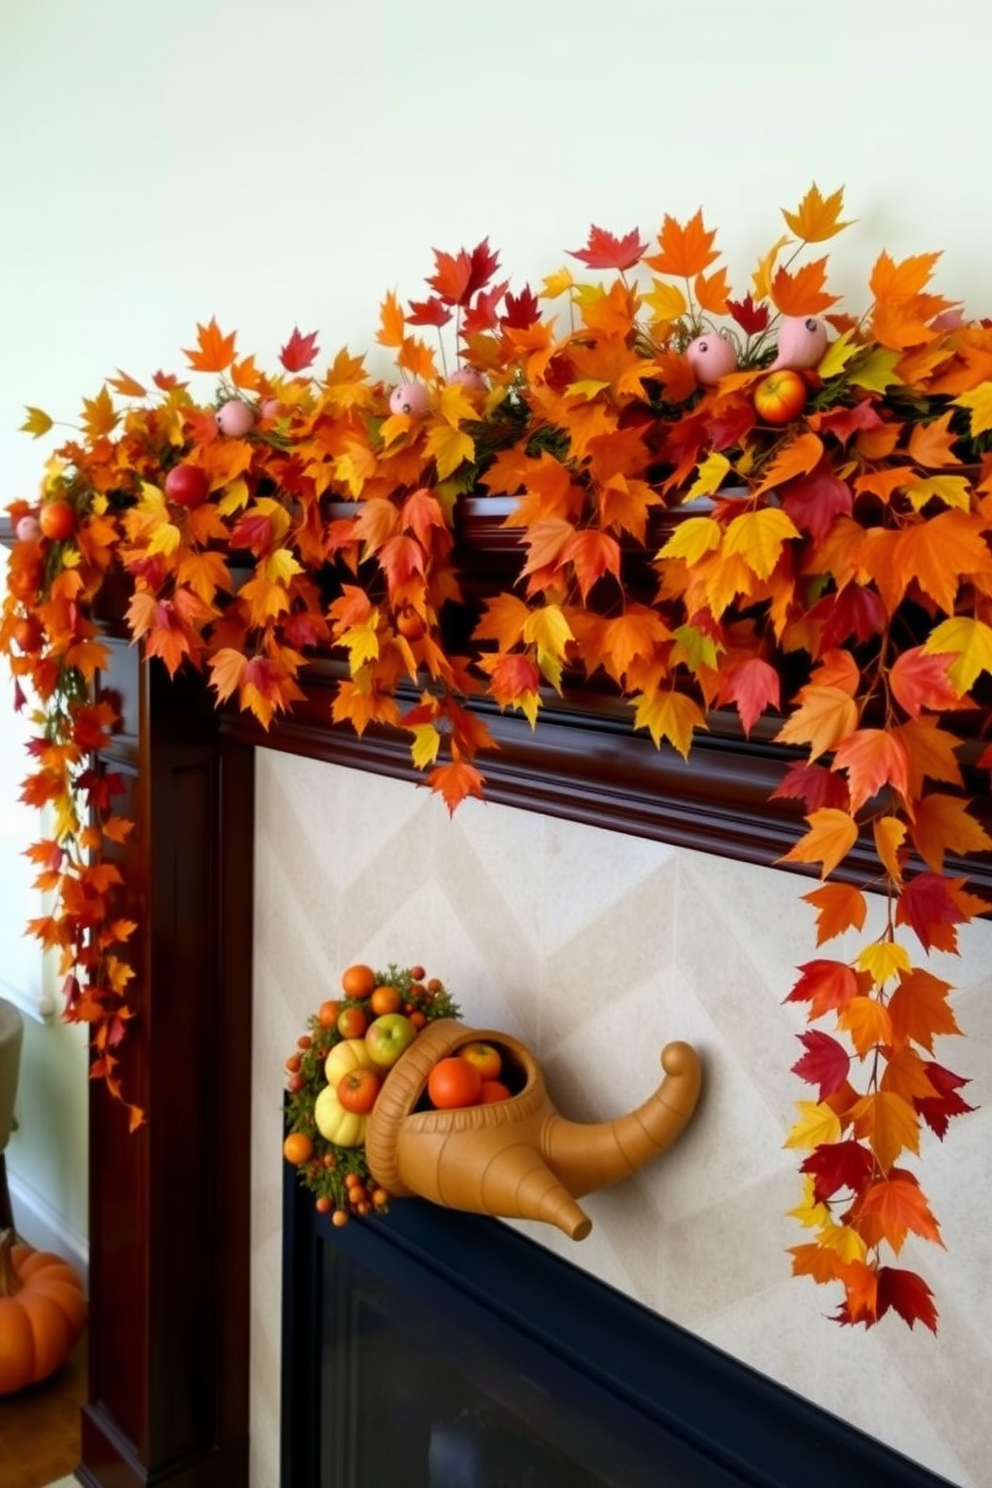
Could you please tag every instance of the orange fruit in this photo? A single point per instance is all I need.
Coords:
(358, 981)
(385, 1000)
(297, 1148)
(327, 1013)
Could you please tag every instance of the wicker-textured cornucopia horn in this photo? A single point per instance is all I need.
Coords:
(515, 1158)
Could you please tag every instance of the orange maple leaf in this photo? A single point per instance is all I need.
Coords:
(592, 554)
(919, 1009)
(685, 251)
(831, 836)
(215, 351)
(455, 781)
(891, 1209)
(99, 416)
(872, 758)
(798, 457)
(839, 907)
(932, 444)
(889, 1124)
(943, 824)
(826, 716)
(816, 217)
(802, 292)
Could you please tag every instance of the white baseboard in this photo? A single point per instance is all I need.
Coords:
(37, 1222)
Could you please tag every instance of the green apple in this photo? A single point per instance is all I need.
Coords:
(388, 1037)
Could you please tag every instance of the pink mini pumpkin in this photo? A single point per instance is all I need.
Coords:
(802, 340)
(411, 398)
(711, 357)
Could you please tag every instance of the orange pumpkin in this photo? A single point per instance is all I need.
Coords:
(42, 1313)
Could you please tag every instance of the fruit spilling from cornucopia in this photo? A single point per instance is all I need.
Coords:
(337, 1071)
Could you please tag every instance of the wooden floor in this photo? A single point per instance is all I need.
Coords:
(39, 1427)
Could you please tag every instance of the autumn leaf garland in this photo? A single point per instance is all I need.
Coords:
(846, 547)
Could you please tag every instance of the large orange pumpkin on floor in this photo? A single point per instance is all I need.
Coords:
(42, 1313)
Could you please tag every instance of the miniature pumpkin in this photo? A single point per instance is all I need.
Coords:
(42, 1313)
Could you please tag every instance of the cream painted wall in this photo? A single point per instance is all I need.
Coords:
(285, 164)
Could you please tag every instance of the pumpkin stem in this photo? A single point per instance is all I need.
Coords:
(9, 1283)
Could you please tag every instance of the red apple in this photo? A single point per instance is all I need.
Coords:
(388, 1037)
(780, 396)
(187, 485)
(57, 520)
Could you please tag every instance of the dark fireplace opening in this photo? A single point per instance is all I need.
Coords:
(433, 1349)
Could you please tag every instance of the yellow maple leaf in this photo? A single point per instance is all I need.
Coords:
(425, 745)
(709, 477)
(883, 960)
(280, 566)
(979, 401)
(818, 1123)
(455, 405)
(236, 495)
(758, 538)
(669, 715)
(816, 217)
(837, 355)
(666, 301)
(557, 284)
(548, 630)
(449, 447)
(362, 642)
(37, 422)
(692, 540)
(875, 371)
(952, 490)
(810, 1213)
(970, 642)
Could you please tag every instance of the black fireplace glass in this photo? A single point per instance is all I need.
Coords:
(432, 1349)
(429, 1391)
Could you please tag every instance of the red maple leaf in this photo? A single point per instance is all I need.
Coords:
(482, 314)
(604, 250)
(814, 785)
(843, 422)
(855, 611)
(750, 317)
(825, 984)
(429, 312)
(816, 499)
(521, 310)
(928, 906)
(754, 686)
(299, 351)
(484, 265)
(937, 1110)
(838, 1165)
(908, 1295)
(826, 1063)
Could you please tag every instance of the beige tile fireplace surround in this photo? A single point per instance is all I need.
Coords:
(596, 948)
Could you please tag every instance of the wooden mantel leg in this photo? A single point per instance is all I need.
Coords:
(167, 1398)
